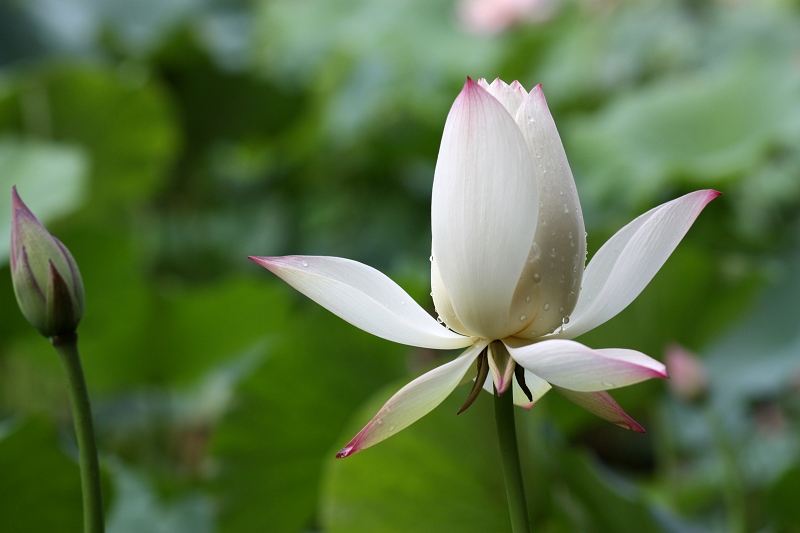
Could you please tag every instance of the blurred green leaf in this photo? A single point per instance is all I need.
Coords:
(50, 179)
(120, 117)
(41, 487)
(443, 473)
(138, 509)
(288, 419)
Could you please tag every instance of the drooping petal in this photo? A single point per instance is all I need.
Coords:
(536, 385)
(413, 401)
(573, 366)
(549, 286)
(483, 211)
(628, 261)
(364, 297)
(600, 403)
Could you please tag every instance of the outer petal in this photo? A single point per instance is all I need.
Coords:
(552, 278)
(444, 307)
(628, 261)
(484, 211)
(413, 401)
(601, 403)
(364, 297)
(573, 366)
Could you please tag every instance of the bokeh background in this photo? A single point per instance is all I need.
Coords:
(164, 141)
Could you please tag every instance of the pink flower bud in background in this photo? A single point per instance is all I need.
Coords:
(494, 16)
(688, 379)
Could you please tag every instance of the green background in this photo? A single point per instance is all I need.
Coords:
(163, 142)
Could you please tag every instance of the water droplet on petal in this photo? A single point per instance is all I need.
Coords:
(522, 318)
(565, 320)
(537, 278)
(546, 307)
(608, 384)
(379, 421)
(304, 264)
(528, 298)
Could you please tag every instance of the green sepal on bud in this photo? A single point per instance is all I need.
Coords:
(46, 279)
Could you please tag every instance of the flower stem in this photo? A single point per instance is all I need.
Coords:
(67, 348)
(509, 451)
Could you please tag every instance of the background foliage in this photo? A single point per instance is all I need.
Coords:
(163, 142)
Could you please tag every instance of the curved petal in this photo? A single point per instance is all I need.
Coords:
(364, 297)
(600, 403)
(573, 366)
(625, 264)
(483, 211)
(442, 303)
(558, 251)
(413, 401)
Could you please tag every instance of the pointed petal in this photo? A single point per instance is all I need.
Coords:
(483, 211)
(413, 401)
(601, 403)
(558, 250)
(573, 366)
(364, 297)
(536, 385)
(625, 264)
(501, 366)
(511, 96)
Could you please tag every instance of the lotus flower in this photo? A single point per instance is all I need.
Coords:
(507, 270)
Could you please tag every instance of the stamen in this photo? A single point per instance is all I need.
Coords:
(519, 373)
(483, 371)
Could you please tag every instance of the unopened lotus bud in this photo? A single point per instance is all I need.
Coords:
(46, 278)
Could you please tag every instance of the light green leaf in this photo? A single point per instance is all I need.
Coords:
(50, 178)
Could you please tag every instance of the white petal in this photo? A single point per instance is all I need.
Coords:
(535, 384)
(600, 403)
(625, 264)
(364, 297)
(413, 401)
(572, 365)
(511, 96)
(558, 252)
(484, 210)
(442, 303)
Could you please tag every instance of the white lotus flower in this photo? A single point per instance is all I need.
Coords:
(507, 270)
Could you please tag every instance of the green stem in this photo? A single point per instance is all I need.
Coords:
(509, 451)
(67, 348)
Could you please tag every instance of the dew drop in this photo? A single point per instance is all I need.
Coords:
(528, 298)
(523, 318)
(561, 310)
(566, 209)
(565, 320)
(546, 307)
(430, 259)
(304, 264)
(608, 384)
(391, 428)
(380, 421)
(537, 278)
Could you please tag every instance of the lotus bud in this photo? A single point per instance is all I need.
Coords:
(46, 278)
